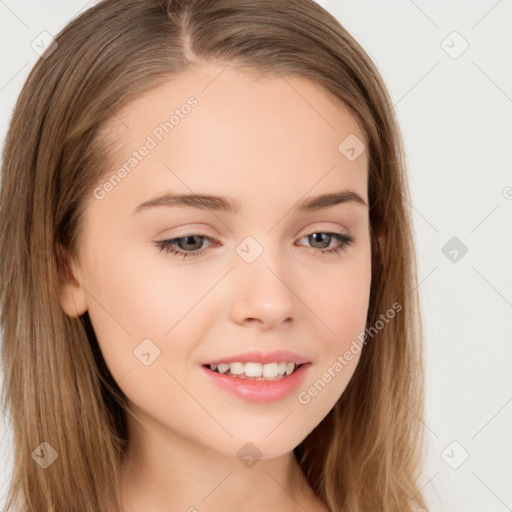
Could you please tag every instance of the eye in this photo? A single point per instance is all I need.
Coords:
(191, 246)
(325, 239)
(176, 245)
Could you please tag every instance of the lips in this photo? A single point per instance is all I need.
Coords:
(256, 390)
(255, 370)
(255, 356)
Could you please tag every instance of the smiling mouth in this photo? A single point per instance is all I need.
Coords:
(255, 371)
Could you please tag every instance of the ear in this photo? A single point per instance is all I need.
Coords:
(72, 295)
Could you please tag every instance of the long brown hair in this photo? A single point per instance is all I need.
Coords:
(366, 454)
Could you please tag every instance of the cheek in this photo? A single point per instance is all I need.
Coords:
(147, 310)
(348, 310)
(129, 303)
(139, 315)
(140, 295)
(342, 304)
(343, 311)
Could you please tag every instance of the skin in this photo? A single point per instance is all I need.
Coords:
(268, 145)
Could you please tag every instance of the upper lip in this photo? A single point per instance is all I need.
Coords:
(255, 356)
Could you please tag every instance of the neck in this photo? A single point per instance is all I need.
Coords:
(166, 472)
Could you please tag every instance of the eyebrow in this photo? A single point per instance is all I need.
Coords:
(220, 203)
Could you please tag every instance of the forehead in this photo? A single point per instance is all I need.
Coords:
(230, 99)
(245, 130)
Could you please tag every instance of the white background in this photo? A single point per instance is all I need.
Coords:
(456, 118)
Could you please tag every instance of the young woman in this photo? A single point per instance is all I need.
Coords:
(208, 275)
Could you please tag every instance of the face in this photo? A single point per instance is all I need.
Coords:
(267, 274)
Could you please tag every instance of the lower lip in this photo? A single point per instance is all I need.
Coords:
(260, 391)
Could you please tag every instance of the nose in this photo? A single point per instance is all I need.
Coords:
(263, 293)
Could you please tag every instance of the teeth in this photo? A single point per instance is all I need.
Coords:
(289, 368)
(236, 368)
(255, 370)
(223, 368)
(270, 370)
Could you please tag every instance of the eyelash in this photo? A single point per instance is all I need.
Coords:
(169, 246)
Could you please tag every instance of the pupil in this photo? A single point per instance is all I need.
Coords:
(321, 235)
(187, 239)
